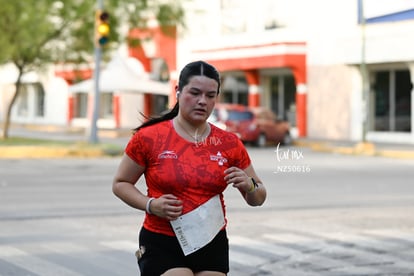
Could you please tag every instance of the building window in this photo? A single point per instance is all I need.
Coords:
(159, 104)
(234, 90)
(23, 101)
(105, 105)
(106, 110)
(81, 105)
(282, 93)
(392, 101)
(31, 100)
(39, 100)
(248, 16)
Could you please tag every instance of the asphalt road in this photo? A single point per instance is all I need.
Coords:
(326, 214)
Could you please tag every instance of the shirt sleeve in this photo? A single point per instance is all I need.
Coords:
(242, 158)
(135, 150)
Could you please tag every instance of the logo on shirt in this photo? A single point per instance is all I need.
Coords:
(218, 158)
(167, 154)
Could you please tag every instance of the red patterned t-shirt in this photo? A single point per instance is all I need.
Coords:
(193, 172)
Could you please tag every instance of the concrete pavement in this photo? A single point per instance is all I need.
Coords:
(347, 216)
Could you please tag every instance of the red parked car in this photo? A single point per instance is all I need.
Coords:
(252, 125)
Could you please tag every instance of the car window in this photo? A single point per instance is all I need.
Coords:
(235, 115)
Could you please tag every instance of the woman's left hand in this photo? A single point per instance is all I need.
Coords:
(237, 178)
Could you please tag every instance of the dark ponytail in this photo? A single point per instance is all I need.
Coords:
(196, 68)
(153, 120)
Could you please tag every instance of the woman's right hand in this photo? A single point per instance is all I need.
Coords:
(167, 206)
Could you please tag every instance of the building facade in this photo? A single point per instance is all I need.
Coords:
(341, 72)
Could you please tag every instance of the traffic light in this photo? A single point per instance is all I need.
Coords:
(101, 28)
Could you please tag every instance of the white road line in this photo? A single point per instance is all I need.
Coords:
(262, 246)
(357, 247)
(33, 264)
(123, 245)
(393, 233)
(245, 259)
(65, 247)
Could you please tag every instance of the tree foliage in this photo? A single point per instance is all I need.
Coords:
(36, 33)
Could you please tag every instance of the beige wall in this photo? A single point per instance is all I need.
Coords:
(131, 105)
(329, 102)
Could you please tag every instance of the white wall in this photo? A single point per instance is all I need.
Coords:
(56, 94)
(131, 105)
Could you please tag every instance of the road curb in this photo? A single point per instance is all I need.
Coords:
(16, 152)
(365, 149)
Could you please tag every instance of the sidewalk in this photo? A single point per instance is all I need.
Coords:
(119, 138)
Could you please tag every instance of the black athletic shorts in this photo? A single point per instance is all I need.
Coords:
(159, 253)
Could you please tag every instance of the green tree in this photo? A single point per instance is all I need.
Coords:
(37, 33)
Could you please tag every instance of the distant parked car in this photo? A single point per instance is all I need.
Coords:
(252, 125)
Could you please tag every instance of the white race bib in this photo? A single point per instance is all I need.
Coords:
(197, 228)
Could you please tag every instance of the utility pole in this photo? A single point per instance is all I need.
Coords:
(364, 74)
(93, 138)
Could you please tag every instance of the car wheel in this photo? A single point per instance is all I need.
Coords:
(287, 139)
(261, 140)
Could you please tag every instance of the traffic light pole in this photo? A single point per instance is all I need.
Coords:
(93, 136)
(95, 112)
